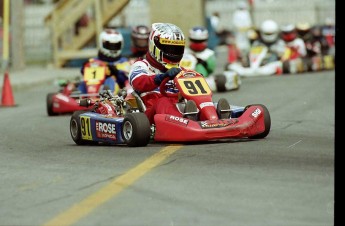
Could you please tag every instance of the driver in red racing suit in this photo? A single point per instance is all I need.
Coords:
(166, 48)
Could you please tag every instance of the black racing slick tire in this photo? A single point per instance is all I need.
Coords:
(75, 129)
(50, 104)
(136, 130)
(267, 121)
(220, 82)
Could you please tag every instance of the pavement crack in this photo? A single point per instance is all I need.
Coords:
(97, 182)
(291, 123)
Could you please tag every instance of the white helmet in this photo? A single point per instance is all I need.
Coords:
(288, 32)
(198, 37)
(111, 42)
(198, 34)
(269, 31)
(166, 44)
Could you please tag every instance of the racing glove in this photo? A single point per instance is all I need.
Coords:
(171, 73)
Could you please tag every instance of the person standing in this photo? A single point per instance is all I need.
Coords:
(242, 23)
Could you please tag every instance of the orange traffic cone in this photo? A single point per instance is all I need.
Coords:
(7, 96)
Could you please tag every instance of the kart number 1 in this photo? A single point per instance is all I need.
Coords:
(97, 73)
(85, 124)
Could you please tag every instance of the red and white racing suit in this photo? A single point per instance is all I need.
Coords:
(297, 47)
(141, 77)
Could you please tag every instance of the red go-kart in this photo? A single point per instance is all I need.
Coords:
(119, 120)
(68, 98)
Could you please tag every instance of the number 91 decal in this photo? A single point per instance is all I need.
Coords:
(85, 124)
(194, 86)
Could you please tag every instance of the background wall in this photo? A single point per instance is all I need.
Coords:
(184, 13)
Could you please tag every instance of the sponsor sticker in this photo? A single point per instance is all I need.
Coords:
(206, 104)
(62, 97)
(106, 130)
(256, 113)
(217, 123)
(177, 120)
(165, 41)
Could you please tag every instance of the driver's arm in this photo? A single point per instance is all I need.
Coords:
(140, 77)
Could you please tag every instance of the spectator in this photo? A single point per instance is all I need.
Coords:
(218, 28)
(242, 23)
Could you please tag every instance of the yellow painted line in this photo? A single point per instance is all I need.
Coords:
(83, 208)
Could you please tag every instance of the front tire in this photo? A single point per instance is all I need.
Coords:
(136, 130)
(50, 103)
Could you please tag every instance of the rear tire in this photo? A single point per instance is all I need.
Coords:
(75, 129)
(136, 130)
(50, 104)
(267, 121)
(220, 82)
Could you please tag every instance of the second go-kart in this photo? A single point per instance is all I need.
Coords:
(68, 98)
(120, 119)
(261, 63)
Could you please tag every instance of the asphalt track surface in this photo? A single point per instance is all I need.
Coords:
(285, 179)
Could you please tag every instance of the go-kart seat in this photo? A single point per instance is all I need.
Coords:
(139, 102)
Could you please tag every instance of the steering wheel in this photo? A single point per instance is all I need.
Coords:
(163, 88)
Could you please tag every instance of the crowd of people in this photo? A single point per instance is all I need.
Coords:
(300, 47)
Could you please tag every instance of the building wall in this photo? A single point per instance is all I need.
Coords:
(184, 14)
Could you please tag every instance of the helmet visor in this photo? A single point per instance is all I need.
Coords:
(112, 46)
(172, 49)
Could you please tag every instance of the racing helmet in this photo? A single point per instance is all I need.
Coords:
(269, 31)
(303, 30)
(316, 32)
(140, 36)
(252, 35)
(166, 44)
(198, 37)
(288, 32)
(111, 42)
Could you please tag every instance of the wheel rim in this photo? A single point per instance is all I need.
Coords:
(74, 128)
(127, 130)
